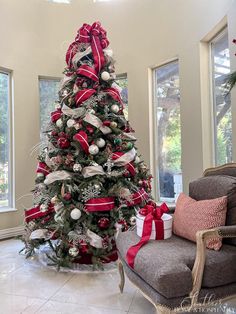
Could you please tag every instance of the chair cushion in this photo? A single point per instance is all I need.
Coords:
(166, 265)
(191, 216)
(217, 186)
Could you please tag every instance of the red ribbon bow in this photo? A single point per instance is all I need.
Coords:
(152, 213)
(96, 36)
(35, 212)
(82, 138)
(129, 166)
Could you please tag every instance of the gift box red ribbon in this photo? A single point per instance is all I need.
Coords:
(35, 213)
(152, 213)
(100, 204)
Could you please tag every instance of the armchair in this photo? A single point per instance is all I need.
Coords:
(177, 275)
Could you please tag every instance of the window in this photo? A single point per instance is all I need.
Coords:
(48, 94)
(5, 141)
(221, 101)
(168, 141)
(122, 81)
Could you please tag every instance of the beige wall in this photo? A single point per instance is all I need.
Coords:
(143, 33)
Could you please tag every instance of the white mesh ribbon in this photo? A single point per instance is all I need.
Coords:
(126, 158)
(57, 176)
(79, 55)
(95, 121)
(39, 234)
(92, 171)
(129, 136)
(73, 113)
(94, 239)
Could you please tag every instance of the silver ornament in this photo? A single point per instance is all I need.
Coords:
(115, 108)
(100, 142)
(77, 167)
(93, 149)
(73, 251)
(133, 220)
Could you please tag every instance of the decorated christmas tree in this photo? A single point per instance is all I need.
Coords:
(90, 180)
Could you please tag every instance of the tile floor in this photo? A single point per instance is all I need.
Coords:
(27, 287)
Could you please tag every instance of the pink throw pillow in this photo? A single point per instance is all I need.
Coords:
(191, 216)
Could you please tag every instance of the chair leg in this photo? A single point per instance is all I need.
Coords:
(122, 276)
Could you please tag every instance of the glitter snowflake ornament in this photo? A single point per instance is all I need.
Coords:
(90, 192)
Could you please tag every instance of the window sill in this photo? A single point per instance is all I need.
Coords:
(7, 209)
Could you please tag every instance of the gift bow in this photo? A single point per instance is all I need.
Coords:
(96, 36)
(152, 213)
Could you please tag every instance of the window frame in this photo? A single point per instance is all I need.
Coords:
(122, 76)
(154, 131)
(11, 168)
(214, 39)
(46, 78)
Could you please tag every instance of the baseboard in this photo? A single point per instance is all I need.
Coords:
(11, 232)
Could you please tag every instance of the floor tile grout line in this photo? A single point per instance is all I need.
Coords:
(135, 292)
(61, 287)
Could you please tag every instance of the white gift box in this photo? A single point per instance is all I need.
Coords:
(167, 219)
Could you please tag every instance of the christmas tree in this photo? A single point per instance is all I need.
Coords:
(90, 179)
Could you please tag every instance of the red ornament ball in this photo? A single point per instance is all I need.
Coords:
(107, 123)
(83, 247)
(67, 196)
(63, 142)
(103, 223)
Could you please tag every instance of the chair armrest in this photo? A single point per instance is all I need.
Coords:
(199, 264)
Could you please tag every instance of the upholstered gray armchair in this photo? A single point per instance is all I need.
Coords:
(179, 275)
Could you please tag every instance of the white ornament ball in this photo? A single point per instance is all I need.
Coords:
(115, 108)
(59, 123)
(113, 124)
(43, 208)
(57, 106)
(77, 167)
(73, 251)
(105, 76)
(137, 159)
(70, 123)
(75, 213)
(100, 142)
(93, 149)
(132, 220)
